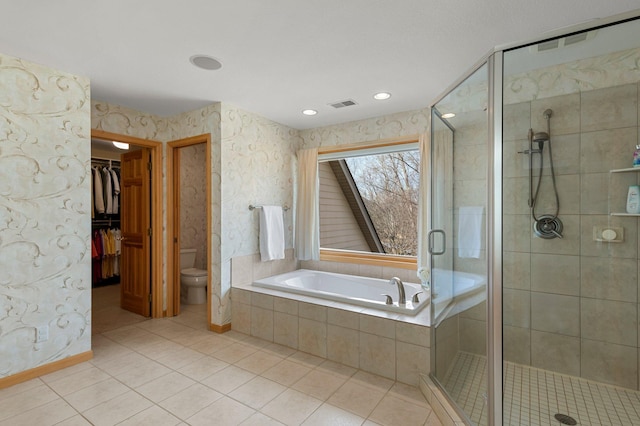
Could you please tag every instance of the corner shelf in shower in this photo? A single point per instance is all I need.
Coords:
(627, 170)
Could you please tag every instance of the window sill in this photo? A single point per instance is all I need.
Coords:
(388, 260)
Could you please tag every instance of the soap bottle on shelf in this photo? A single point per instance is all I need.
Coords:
(636, 157)
(633, 199)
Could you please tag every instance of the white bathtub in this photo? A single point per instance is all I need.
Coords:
(351, 289)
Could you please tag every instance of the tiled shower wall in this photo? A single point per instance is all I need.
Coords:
(571, 304)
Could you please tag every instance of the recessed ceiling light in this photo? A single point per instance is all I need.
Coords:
(120, 145)
(382, 96)
(309, 111)
(205, 62)
(448, 115)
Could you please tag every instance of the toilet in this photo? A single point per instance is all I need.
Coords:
(193, 281)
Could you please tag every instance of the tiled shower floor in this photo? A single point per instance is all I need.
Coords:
(534, 396)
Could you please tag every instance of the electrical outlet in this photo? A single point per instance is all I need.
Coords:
(42, 333)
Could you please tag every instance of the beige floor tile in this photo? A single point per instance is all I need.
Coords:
(188, 402)
(19, 388)
(211, 344)
(154, 415)
(291, 407)
(327, 414)
(180, 358)
(259, 362)
(234, 353)
(118, 409)
(76, 420)
(319, 384)
(393, 411)
(225, 381)
(157, 348)
(257, 392)
(203, 368)
(280, 350)
(259, 419)
(163, 387)
(337, 368)
(24, 401)
(286, 372)
(306, 359)
(96, 394)
(44, 415)
(372, 380)
(79, 380)
(357, 398)
(223, 412)
(123, 362)
(408, 393)
(141, 374)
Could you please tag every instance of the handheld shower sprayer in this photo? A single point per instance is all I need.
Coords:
(546, 226)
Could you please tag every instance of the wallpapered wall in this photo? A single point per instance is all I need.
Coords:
(193, 201)
(258, 165)
(45, 224)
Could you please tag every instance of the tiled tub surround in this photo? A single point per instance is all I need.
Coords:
(571, 305)
(391, 345)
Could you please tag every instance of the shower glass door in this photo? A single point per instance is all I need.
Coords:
(458, 245)
(570, 304)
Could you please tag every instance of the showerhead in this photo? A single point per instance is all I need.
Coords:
(547, 114)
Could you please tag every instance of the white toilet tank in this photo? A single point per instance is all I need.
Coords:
(187, 258)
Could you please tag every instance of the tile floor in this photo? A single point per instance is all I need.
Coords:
(534, 396)
(173, 371)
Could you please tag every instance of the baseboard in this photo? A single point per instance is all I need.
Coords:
(220, 328)
(26, 375)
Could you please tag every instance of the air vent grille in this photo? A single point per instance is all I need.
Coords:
(342, 104)
(563, 41)
(575, 38)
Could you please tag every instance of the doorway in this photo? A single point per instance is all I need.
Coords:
(142, 160)
(181, 237)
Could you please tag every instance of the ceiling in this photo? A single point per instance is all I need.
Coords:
(279, 56)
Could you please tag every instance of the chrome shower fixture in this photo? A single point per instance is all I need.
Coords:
(548, 225)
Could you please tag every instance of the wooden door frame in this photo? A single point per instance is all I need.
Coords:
(157, 294)
(173, 220)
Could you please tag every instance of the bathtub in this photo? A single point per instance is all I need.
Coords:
(456, 292)
(362, 291)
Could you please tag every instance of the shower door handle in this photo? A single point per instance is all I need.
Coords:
(430, 240)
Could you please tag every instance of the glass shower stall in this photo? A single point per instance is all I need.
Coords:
(533, 232)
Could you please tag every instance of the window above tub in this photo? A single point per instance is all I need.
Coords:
(368, 202)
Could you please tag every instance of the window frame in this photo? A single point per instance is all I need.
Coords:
(359, 257)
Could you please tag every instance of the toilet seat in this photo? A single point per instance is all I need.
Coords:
(194, 272)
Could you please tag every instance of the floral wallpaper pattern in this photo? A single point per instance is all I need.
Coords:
(388, 126)
(45, 257)
(257, 168)
(193, 200)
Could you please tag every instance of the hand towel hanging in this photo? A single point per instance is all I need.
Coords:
(271, 233)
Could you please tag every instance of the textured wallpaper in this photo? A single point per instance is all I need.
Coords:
(45, 225)
(389, 126)
(257, 168)
(193, 201)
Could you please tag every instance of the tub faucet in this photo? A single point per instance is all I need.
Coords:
(402, 300)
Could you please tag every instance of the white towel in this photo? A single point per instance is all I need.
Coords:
(470, 231)
(271, 233)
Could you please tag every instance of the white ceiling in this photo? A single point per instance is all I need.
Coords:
(279, 56)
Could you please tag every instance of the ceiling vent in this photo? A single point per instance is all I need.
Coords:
(562, 42)
(342, 104)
